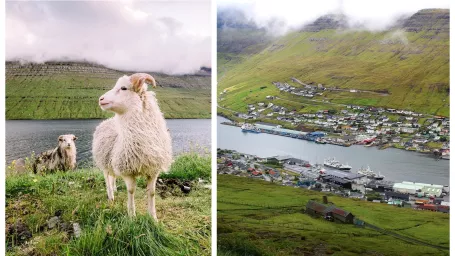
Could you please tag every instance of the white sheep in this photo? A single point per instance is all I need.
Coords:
(135, 142)
(61, 158)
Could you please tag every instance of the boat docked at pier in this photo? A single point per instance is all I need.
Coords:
(445, 157)
(332, 163)
(320, 141)
(249, 128)
(370, 174)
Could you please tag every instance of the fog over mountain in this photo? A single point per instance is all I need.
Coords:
(280, 17)
(173, 37)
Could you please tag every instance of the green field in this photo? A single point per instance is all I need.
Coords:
(412, 66)
(39, 94)
(184, 226)
(261, 218)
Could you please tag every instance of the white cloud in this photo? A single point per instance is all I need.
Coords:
(373, 15)
(172, 37)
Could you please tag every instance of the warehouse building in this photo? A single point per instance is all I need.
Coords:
(347, 176)
(408, 187)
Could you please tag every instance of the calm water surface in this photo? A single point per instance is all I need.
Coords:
(395, 164)
(25, 136)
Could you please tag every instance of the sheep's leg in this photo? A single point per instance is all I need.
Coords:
(131, 188)
(151, 185)
(112, 180)
(110, 193)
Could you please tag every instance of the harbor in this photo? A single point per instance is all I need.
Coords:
(336, 178)
(418, 167)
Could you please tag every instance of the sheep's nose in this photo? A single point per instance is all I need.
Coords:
(101, 98)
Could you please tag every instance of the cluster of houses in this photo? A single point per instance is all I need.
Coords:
(363, 122)
(290, 171)
(308, 90)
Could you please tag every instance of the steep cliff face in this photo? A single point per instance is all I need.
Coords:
(330, 21)
(435, 20)
(15, 69)
(237, 34)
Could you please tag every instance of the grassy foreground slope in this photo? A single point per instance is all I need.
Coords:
(34, 202)
(71, 91)
(410, 62)
(261, 218)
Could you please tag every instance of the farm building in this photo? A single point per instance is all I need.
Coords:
(317, 209)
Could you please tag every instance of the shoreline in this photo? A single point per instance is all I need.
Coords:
(382, 146)
(297, 167)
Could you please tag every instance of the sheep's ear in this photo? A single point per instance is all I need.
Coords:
(74, 138)
(139, 79)
(60, 138)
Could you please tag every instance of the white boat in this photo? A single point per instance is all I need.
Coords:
(445, 156)
(250, 128)
(370, 174)
(332, 163)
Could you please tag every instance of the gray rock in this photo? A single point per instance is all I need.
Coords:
(77, 229)
(19, 166)
(52, 222)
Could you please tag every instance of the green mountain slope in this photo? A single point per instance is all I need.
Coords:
(69, 90)
(409, 61)
(261, 218)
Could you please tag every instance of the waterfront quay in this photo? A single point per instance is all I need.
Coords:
(290, 171)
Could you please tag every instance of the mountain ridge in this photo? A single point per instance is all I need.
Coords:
(410, 60)
(70, 90)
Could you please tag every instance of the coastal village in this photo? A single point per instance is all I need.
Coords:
(335, 179)
(368, 126)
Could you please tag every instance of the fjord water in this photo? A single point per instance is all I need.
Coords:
(395, 164)
(25, 136)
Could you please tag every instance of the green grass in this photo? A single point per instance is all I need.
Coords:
(37, 94)
(80, 197)
(416, 75)
(261, 218)
(190, 166)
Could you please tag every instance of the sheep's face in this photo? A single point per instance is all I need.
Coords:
(126, 94)
(67, 141)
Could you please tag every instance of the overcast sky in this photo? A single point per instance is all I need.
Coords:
(168, 36)
(373, 14)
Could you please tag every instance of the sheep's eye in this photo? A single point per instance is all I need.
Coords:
(123, 88)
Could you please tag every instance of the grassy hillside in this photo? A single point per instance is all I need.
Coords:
(71, 91)
(410, 62)
(41, 212)
(260, 218)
